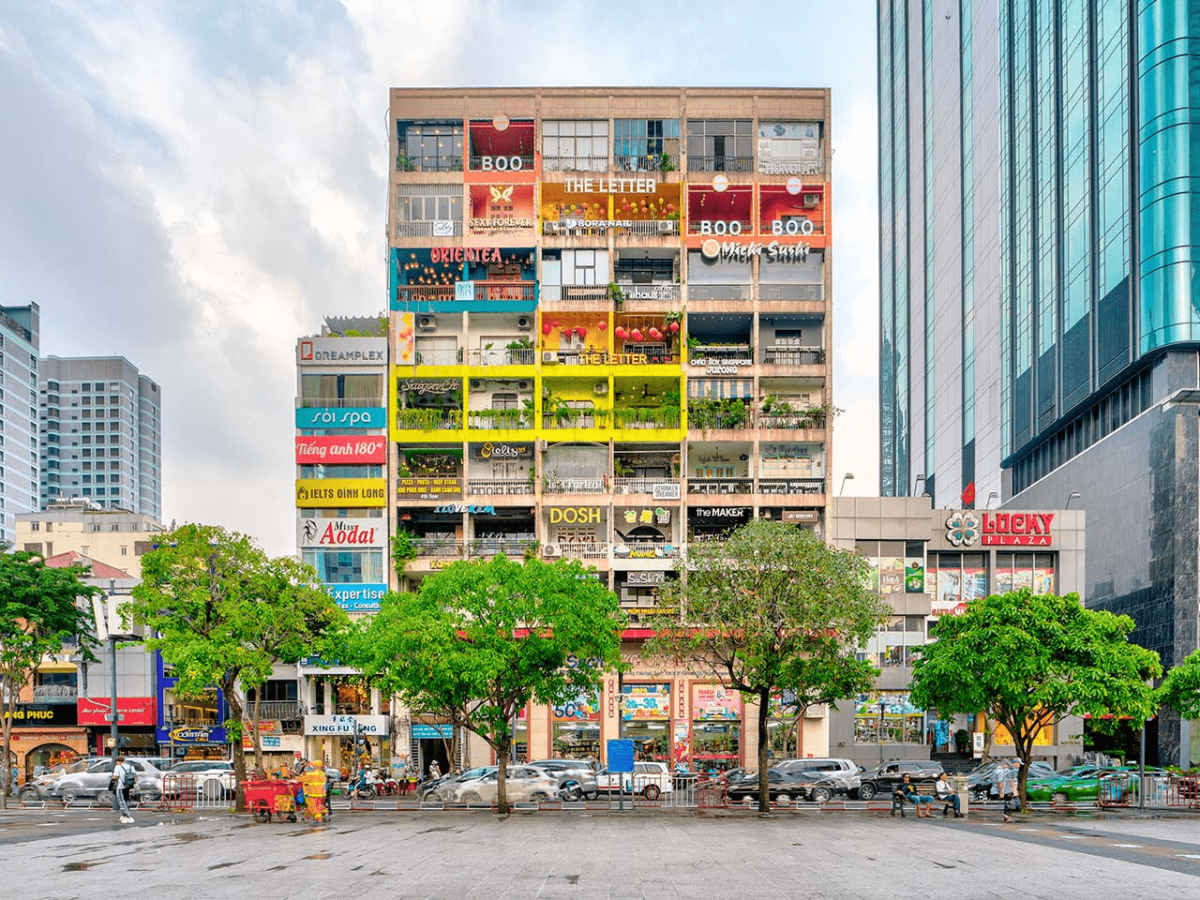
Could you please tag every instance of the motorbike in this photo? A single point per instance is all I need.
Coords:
(366, 786)
(570, 790)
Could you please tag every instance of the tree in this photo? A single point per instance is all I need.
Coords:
(1028, 660)
(1181, 689)
(772, 608)
(39, 612)
(221, 611)
(479, 640)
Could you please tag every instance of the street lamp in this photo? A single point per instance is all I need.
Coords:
(992, 495)
(1074, 496)
(849, 476)
(882, 706)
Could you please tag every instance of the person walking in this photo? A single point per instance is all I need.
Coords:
(948, 796)
(435, 771)
(124, 777)
(1004, 788)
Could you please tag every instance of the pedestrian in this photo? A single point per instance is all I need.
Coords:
(435, 771)
(948, 796)
(124, 777)
(1004, 788)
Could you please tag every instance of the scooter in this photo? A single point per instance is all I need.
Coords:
(570, 790)
(366, 787)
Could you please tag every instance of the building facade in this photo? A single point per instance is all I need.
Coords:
(101, 435)
(19, 448)
(1038, 317)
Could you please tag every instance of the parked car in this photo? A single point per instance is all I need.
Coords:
(843, 771)
(88, 779)
(580, 770)
(443, 788)
(980, 780)
(1084, 783)
(785, 785)
(883, 778)
(210, 779)
(522, 784)
(649, 779)
(41, 787)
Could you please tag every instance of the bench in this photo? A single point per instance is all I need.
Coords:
(925, 788)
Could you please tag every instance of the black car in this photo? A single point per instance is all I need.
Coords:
(883, 779)
(784, 785)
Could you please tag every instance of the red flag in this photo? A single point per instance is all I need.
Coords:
(968, 496)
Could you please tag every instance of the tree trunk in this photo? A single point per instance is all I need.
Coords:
(502, 757)
(255, 737)
(764, 711)
(229, 688)
(9, 710)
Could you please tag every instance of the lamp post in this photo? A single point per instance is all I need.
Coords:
(849, 476)
(112, 644)
(1074, 495)
(882, 706)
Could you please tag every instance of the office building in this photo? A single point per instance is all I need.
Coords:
(101, 434)
(19, 450)
(1038, 309)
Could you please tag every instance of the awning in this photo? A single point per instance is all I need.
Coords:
(58, 668)
(720, 388)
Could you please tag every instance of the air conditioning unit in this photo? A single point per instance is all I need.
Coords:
(815, 712)
(476, 384)
(811, 200)
(549, 356)
(524, 323)
(551, 550)
(601, 388)
(426, 323)
(524, 385)
(549, 228)
(666, 226)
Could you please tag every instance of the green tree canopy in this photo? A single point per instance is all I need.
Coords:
(1028, 660)
(1181, 689)
(772, 608)
(40, 611)
(479, 640)
(221, 612)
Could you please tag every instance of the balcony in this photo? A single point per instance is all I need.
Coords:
(553, 484)
(486, 548)
(711, 415)
(439, 357)
(55, 693)
(740, 354)
(647, 417)
(522, 356)
(741, 292)
(498, 291)
(494, 486)
(430, 163)
(340, 402)
(428, 419)
(720, 163)
(792, 293)
(791, 419)
(791, 485)
(576, 418)
(780, 355)
(582, 550)
(720, 485)
(653, 162)
(445, 228)
(661, 488)
(575, 163)
(668, 293)
(575, 293)
(648, 550)
(441, 548)
(281, 710)
(501, 419)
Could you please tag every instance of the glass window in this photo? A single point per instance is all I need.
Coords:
(575, 145)
(347, 566)
(720, 145)
(430, 147)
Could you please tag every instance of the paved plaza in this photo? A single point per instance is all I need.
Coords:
(588, 855)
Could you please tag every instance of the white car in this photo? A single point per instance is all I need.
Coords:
(210, 779)
(649, 779)
(521, 783)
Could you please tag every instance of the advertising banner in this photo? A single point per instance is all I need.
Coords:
(334, 449)
(340, 351)
(583, 708)
(429, 487)
(38, 715)
(405, 338)
(645, 701)
(132, 710)
(318, 531)
(713, 701)
(367, 726)
(357, 597)
(339, 417)
(340, 492)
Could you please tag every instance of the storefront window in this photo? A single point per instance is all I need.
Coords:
(576, 727)
(716, 728)
(955, 579)
(783, 726)
(646, 720)
(902, 723)
(1034, 571)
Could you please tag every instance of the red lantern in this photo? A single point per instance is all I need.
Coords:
(620, 332)
(581, 331)
(555, 323)
(673, 328)
(566, 334)
(636, 335)
(547, 328)
(602, 325)
(655, 334)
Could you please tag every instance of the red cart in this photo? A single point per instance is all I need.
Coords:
(267, 798)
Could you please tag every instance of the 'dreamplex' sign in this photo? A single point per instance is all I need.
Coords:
(342, 351)
(369, 726)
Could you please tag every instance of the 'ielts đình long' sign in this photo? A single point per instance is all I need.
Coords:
(371, 448)
(1017, 529)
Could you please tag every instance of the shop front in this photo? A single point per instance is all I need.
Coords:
(44, 735)
(716, 728)
(646, 720)
(575, 727)
(348, 741)
(137, 718)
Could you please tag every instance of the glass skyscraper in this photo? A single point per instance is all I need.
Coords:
(1039, 325)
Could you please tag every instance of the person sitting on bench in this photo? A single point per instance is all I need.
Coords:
(923, 802)
(948, 796)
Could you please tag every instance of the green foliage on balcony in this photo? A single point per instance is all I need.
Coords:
(428, 419)
(646, 417)
(708, 414)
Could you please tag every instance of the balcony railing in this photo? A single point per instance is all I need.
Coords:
(582, 550)
(339, 402)
(514, 291)
(651, 227)
(523, 356)
(792, 166)
(504, 419)
(791, 485)
(654, 291)
(55, 693)
(630, 355)
(646, 418)
(801, 292)
(573, 292)
(442, 228)
(425, 293)
(790, 420)
(553, 484)
(720, 292)
(746, 227)
(277, 709)
(793, 356)
(429, 163)
(526, 164)
(720, 163)
(719, 414)
(442, 548)
(428, 419)
(643, 485)
(439, 357)
(499, 486)
(649, 550)
(720, 485)
(574, 163)
(730, 354)
(577, 419)
(489, 547)
(647, 163)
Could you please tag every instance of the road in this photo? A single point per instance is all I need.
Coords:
(587, 855)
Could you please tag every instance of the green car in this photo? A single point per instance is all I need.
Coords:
(1083, 784)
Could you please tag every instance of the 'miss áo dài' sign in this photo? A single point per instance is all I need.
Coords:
(317, 531)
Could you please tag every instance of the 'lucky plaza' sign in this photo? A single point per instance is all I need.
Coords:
(1017, 529)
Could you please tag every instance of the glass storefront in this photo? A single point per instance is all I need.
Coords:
(716, 728)
(901, 722)
(576, 728)
(646, 720)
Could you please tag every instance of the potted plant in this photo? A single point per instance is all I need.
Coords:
(961, 740)
(615, 294)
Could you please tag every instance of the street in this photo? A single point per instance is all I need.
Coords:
(596, 854)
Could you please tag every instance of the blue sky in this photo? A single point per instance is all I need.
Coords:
(195, 185)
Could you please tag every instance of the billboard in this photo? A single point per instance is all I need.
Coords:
(357, 597)
(347, 449)
(338, 417)
(340, 351)
(318, 531)
(340, 492)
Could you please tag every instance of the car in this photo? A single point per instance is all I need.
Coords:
(883, 778)
(843, 771)
(521, 783)
(784, 785)
(981, 779)
(210, 779)
(41, 787)
(649, 779)
(89, 778)
(443, 788)
(582, 771)
(1084, 784)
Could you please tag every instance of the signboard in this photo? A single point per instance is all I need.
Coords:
(721, 513)
(585, 707)
(406, 347)
(318, 531)
(357, 597)
(645, 701)
(432, 732)
(715, 702)
(342, 351)
(37, 715)
(429, 487)
(1017, 529)
(132, 710)
(367, 726)
(464, 291)
(620, 756)
(337, 417)
(650, 578)
(665, 491)
(349, 449)
(339, 492)
(495, 450)
(196, 734)
(772, 252)
(574, 515)
(801, 515)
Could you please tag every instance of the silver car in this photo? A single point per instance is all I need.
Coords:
(89, 778)
(522, 784)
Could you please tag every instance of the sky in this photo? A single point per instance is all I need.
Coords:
(195, 185)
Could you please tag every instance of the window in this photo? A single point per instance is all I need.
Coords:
(505, 401)
(790, 148)
(430, 146)
(338, 390)
(720, 145)
(420, 203)
(574, 146)
(640, 144)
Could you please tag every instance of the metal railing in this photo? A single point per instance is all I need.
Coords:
(552, 293)
(651, 162)
(574, 163)
(650, 227)
(651, 550)
(720, 163)
(720, 292)
(646, 418)
(791, 485)
(721, 353)
(339, 402)
(55, 693)
(439, 357)
(428, 420)
(444, 548)
(277, 709)
(582, 550)
(429, 163)
(486, 548)
(793, 356)
(426, 229)
(522, 356)
(499, 486)
(576, 419)
(641, 485)
(791, 292)
(502, 419)
(720, 485)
